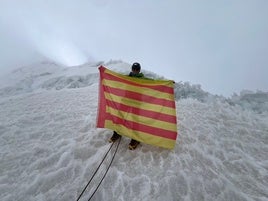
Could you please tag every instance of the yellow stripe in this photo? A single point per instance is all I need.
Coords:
(141, 136)
(140, 105)
(143, 120)
(138, 89)
(149, 82)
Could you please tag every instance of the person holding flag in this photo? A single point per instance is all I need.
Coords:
(140, 108)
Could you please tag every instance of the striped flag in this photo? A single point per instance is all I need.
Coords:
(141, 109)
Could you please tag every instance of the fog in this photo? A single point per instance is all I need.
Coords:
(216, 44)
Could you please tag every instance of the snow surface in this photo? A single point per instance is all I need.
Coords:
(50, 148)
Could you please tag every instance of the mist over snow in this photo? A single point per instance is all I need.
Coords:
(221, 45)
(49, 146)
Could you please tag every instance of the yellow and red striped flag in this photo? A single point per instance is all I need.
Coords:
(141, 109)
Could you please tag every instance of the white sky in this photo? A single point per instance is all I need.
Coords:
(221, 45)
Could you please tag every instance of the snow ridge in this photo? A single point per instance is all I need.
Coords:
(51, 76)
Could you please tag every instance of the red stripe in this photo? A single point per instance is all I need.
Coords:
(141, 112)
(143, 128)
(159, 87)
(139, 97)
(101, 107)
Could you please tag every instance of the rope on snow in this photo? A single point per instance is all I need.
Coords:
(94, 174)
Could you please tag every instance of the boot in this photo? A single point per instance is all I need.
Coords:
(133, 144)
(115, 137)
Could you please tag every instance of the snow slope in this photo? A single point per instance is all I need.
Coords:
(50, 148)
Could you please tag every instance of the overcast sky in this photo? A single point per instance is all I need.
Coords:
(221, 45)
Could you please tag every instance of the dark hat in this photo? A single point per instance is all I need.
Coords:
(136, 66)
